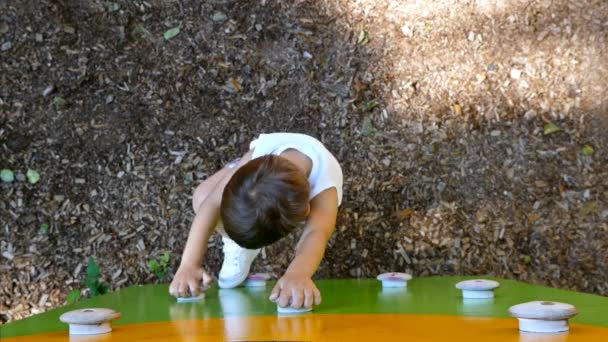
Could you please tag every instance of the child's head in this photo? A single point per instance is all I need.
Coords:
(264, 201)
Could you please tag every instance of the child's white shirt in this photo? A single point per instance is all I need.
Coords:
(326, 172)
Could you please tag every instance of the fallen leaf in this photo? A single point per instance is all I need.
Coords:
(551, 128)
(113, 7)
(188, 178)
(533, 217)
(428, 27)
(219, 17)
(363, 38)
(171, 33)
(366, 127)
(371, 105)
(59, 101)
(236, 85)
(7, 175)
(405, 213)
(140, 30)
(588, 208)
(32, 176)
(588, 150)
(457, 109)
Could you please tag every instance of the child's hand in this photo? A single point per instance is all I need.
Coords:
(188, 281)
(295, 290)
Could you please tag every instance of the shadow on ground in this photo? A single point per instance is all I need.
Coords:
(447, 169)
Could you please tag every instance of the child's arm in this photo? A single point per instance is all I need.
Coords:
(187, 280)
(296, 283)
(208, 197)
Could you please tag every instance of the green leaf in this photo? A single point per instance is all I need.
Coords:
(59, 101)
(44, 228)
(93, 289)
(428, 27)
(140, 30)
(171, 33)
(159, 268)
(527, 259)
(98, 288)
(92, 279)
(371, 105)
(164, 259)
(102, 288)
(32, 176)
(73, 296)
(551, 128)
(152, 265)
(92, 269)
(219, 17)
(113, 7)
(7, 175)
(588, 150)
(363, 38)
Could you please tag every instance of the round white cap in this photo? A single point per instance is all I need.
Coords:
(89, 316)
(290, 310)
(198, 298)
(477, 285)
(256, 280)
(543, 310)
(258, 277)
(394, 276)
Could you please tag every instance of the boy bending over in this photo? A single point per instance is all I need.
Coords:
(284, 180)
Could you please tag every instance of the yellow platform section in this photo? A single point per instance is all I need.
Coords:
(330, 327)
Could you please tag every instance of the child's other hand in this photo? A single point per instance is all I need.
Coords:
(188, 281)
(295, 290)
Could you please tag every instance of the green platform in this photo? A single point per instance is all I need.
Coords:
(433, 295)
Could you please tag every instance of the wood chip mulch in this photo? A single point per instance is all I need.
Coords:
(437, 111)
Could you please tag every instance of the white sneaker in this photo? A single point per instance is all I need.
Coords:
(236, 265)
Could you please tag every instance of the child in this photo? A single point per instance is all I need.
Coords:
(284, 179)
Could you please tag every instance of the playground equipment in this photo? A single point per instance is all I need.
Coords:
(477, 288)
(394, 279)
(543, 316)
(90, 321)
(256, 280)
(428, 309)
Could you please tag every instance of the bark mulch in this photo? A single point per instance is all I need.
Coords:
(472, 134)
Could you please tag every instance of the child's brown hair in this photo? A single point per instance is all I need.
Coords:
(264, 201)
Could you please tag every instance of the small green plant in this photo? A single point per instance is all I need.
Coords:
(73, 296)
(159, 268)
(44, 228)
(91, 280)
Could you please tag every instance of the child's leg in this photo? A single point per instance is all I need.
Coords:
(237, 262)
